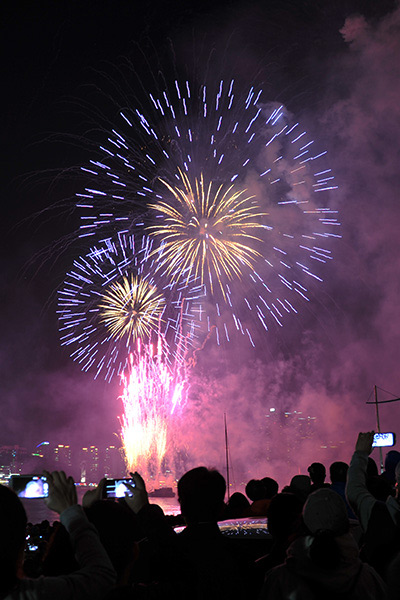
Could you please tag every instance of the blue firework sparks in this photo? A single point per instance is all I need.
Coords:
(112, 297)
(225, 139)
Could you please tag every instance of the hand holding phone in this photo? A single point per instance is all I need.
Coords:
(364, 442)
(140, 498)
(92, 496)
(62, 491)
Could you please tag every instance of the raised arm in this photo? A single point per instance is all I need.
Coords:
(358, 496)
(96, 574)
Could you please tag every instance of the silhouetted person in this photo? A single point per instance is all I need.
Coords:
(284, 520)
(260, 492)
(380, 521)
(338, 475)
(271, 487)
(380, 488)
(372, 468)
(317, 474)
(237, 506)
(300, 486)
(119, 532)
(123, 526)
(391, 460)
(211, 565)
(95, 575)
(255, 490)
(324, 563)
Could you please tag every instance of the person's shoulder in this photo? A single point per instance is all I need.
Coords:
(278, 581)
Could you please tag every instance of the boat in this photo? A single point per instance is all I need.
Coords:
(164, 492)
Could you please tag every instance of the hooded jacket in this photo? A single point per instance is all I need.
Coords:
(300, 578)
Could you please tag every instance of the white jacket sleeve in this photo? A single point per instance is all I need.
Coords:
(95, 576)
(358, 496)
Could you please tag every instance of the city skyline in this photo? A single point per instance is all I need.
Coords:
(86, 464)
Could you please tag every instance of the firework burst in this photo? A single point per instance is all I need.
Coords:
(131, 308)
(236, 192)
(112, 296)
(206, 231)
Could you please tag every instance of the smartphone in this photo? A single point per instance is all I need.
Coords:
(29, 486)
(116, 488)
(384, 439)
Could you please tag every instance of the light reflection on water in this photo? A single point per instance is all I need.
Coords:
(37, 510)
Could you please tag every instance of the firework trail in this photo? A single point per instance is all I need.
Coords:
(236, 193)
(113, 296)
(153, 394)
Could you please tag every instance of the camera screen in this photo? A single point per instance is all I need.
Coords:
(383, 439)
(30, 486)
(116, 488)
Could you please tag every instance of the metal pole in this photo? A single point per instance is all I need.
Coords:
(227, 456)
(378, 425)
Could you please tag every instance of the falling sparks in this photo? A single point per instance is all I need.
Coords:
(153, 394)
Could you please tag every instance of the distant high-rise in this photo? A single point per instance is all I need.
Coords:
(63, 458)
(93, 472)
(113, 462)
(12, 459)
(286, 431)
(84, 464)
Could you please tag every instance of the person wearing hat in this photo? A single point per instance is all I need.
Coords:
(300, 486)
(324, 562)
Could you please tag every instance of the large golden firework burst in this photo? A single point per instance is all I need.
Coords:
(131, 308)
(207, 231)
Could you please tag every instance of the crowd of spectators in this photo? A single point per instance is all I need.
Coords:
(337, 539)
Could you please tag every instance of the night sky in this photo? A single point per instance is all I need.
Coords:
(335, 65)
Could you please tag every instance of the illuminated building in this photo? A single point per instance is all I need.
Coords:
(113, 462)
(12, 460)
(286, 433)
(63, 457)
